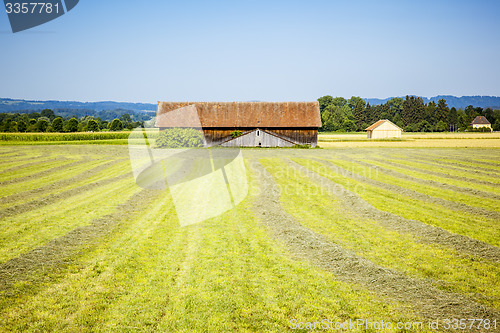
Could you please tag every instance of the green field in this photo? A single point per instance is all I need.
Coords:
(400, 235)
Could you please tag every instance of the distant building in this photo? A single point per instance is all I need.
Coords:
(384, 129)
(481, 122)
(245, 124)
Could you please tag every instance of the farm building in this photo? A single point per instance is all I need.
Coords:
(481, 122)
(384, 129)
(245, 124)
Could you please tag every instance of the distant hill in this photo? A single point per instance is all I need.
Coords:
(104, 110)
(452, 101)
(8, 105)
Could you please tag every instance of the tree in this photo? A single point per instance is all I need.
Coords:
(48, 113)
(72, 125)
(125, 118)
(453, 117)
(92, 126)
(359, 114)
(430, 113)
(424, 126)
(353, 101)
(395, 106)
(413, 110)
(41, 125)
(324, 102)
(441, 126)
(349, 126)
(21, 126)
(57, 124)
(442, 111)
(116, 125)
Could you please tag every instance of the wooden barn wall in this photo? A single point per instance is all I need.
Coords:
(298, 135)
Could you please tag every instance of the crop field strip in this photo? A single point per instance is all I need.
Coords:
(224, 274)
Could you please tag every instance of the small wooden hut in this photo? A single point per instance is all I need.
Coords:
(383, 129)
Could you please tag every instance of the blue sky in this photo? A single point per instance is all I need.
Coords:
(145, 51)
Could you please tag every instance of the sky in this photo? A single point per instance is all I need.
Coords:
(146, 51)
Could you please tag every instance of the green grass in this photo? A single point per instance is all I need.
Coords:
(462, 223)
(325, 214)
(379, 175)
(224, 275)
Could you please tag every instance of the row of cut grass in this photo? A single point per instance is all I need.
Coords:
(24, 232)
(325, 214)
(450, 195)
(427, 176)
(35, 169)
(463, 223)
(466, 175)
(48, 179)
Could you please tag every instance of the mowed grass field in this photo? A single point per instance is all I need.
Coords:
(399, 235)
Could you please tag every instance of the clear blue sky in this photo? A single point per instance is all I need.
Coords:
(144, 51)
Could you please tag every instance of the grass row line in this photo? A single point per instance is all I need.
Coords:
(326, 215)
(379, 174)
(463, 223)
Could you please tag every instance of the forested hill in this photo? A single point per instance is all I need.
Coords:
(14, 105)
(452, 101)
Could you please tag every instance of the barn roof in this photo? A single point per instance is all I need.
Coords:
(240, 114)
(380, 122)
(480, 120)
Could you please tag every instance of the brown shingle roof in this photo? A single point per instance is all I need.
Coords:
(480, 120)
(380, 122)
(243, 114)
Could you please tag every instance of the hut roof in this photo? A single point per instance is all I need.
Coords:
(239, 114)
(480, 120)
(380, 122)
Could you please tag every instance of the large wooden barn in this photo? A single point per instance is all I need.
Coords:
(245, 124)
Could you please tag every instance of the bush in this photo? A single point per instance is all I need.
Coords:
(92, 126)
(72, 125)
(411, 128)
(236, 134)
(57, 124)
(180, 138)
(41, 125)
(116, 125)
(496, 125)
(441, 126)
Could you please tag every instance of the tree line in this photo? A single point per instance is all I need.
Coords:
(48, 122)
(411, 114)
